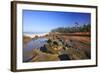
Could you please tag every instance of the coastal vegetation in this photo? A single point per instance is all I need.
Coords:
(74, 29)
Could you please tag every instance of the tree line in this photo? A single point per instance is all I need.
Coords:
(76, 28)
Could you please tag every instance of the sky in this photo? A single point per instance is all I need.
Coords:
(45, 21)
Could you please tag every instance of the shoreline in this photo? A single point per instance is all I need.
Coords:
(50, 33)
(34, 35)
(64, 46)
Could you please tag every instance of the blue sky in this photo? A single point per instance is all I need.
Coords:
(45, 21)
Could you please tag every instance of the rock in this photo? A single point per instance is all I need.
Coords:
(42, 56)
(64, 57)
(55, 43)
(68, 43)
(44, 49)
(36, 36)
(49, 41)
(26, 39)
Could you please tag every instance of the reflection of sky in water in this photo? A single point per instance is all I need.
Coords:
(34, 44)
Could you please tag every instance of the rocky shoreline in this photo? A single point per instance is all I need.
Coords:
(61, 48)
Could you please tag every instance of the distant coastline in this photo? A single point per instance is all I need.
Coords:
(33, 34)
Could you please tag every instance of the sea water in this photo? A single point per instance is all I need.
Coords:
(33, 34)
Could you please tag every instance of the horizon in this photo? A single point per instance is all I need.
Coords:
(35, 32)
(45, 21)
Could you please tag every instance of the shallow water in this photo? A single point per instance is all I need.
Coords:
(34, 44)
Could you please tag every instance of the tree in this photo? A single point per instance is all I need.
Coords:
(76, 28)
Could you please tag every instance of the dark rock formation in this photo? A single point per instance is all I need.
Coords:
(43, 49)
(64, 57)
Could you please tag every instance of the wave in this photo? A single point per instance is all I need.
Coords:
(33, 34)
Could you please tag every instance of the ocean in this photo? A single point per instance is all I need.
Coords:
(33, 34)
